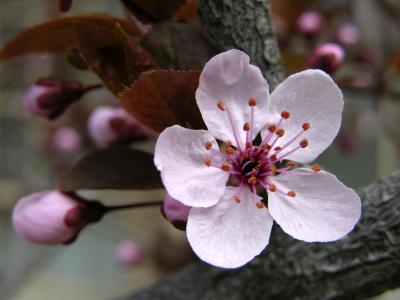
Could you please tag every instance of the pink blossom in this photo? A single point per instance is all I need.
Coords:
(45, 218)
(327, 57)
(66, 140)
(129, 253)
(53, 217)
(112, 125)
(50, 97)
(310, 22)
(175, 212)
(229, 223)
(348, 34)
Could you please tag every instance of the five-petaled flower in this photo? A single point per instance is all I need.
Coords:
(230, 223)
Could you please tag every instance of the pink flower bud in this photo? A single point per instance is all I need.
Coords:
(327, 57)
(129, 253)
(175, 212)
(64, 5)
(53, 217)
(348, 34)
(113, 125)
(66, 140)
(49, 97)
(310, 22)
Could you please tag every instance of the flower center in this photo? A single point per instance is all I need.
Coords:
(254, 165)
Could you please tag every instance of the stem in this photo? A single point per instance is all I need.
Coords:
(134, 205)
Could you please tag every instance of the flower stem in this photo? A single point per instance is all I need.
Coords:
(131, 206)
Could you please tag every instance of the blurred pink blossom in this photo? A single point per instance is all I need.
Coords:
(112, 125)
(310, 22)
(129, 253)
(348, 34)
(327, 57)
(66, 140)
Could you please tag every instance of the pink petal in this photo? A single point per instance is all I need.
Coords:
(323, 210)
(229, 234)
(180, 155)
(310, 97)
(230, 79)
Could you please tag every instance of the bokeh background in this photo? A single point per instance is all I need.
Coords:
(367, 147)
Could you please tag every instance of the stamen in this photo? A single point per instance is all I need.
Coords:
(221, 106)
(274, 157)
(260, 205)
(290, 164)
(248, 145)
(278, 148)
(285, 114)
(229, 151)
(252, 102)
(272, 128)
(234, 130)
(246, 126)
(306, 126)
(208, 162)
(252, 180)
(291, 194)
(237, 199)
(208, 145)
(272, 188)
(316, 168)
(226, 166)
(303, 143)
(280, 132)
(237, 193)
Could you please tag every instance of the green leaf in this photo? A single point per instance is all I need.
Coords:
(162, 98)
(119, 168)
(58, 35)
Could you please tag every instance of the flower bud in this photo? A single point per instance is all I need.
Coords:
(129, 253)
(53, 217)
(66, 140)
(348, 35)
(327, 57)
(49, 97)
(310, 23)
(175, 212)
(113, 125)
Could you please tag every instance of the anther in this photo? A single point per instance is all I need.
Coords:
(208, 162)
(252, 180)
(226, 166)
(248, 145)
(278, 148)
(272, 128)
(273, 169)
(252, 102)
(303, 143)
(221, 106)
(266, 147)
(260, 205)
(306, 126)
(274, 157)
(290, 164)
(272, 188)
(237, 199)
(285, 114)
(208, 145)
(246, 126)
(280, 132)
(316, 168)
(229, 150)
(291, 194)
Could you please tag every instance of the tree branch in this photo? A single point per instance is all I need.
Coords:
(244, 25)
(364, 264)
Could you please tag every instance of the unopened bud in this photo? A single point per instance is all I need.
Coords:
(113, 125)
(50, 97)
(175, 212)
(327, 57)
(66, 140)
(348, 35)
(310, 23)
(53, 217)
(129, 253)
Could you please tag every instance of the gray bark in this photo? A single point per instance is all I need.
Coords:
(244, 25)
(364, 264)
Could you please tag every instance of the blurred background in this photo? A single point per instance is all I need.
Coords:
(32, 157)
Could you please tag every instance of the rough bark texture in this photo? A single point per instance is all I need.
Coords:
(244, 25)
(364, 264)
